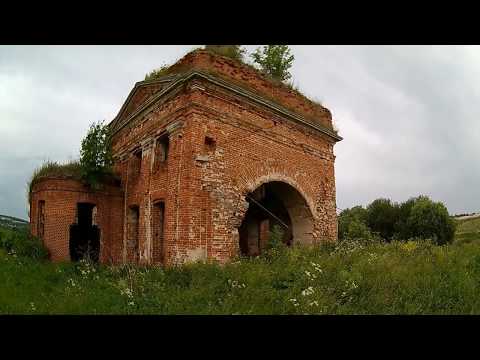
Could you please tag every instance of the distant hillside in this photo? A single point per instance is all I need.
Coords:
(13, 222)
(466, 216)
(468, 229)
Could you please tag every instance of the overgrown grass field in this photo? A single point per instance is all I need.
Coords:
(349, 278)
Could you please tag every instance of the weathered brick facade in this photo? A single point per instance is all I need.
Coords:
(192, 150)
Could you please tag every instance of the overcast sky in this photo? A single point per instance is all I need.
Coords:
(409, 115)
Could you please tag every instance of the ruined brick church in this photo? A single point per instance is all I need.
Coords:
(209, 157)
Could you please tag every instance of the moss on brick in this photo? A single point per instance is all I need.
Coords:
(49, 169)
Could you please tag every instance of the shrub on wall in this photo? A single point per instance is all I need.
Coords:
(95, 155)
(94, 165)
(274, 60)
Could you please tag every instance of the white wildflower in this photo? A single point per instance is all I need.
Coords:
(317, 267)
(294, 302)
(308, 291)
(236, 285)
(128, 292)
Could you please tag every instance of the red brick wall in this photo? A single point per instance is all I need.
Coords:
(203, 185)
(61, 197)
(222, 146)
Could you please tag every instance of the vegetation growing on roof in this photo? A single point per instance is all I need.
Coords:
(96, 158)
(157, 73)
(235, 52)
(272, 63)
(54, 169)
(274, 60)
(93, 167)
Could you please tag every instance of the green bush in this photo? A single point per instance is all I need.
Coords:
(352, 223)
(275, 248)
(357, 230)
(93, 167)
(382, 215)
(430, 219)
(275, 240)
(21, 243)
(418, 217)
(96, 158)
(274, 60)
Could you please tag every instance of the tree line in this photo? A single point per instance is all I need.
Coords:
(418, 217)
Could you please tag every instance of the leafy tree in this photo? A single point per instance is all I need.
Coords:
(232, 51)
(95, 154)
(417, 218)
(430, 220)
(382, 215)
(357, 230)
(274, 60)
(352, 223)
(402, 230)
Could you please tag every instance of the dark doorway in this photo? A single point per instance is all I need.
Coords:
(266, 209)
(84, 235)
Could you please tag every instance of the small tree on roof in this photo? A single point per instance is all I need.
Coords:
(95, 155)
(274, 60)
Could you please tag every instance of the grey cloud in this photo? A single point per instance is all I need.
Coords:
(408, 113)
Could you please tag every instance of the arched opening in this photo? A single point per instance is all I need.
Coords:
(274, 204)
(85, 234)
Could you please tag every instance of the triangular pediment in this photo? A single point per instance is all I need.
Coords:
(140, 94)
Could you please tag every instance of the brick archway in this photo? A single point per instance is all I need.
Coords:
(274, 201)
(280, 177)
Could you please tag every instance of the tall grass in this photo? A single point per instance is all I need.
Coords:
(348, 278)
(468, 230)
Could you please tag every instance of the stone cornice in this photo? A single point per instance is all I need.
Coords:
(180, 80)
